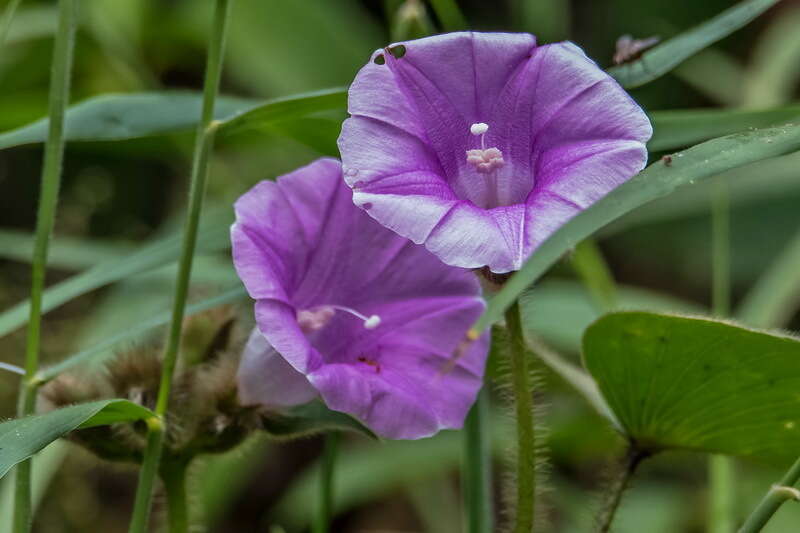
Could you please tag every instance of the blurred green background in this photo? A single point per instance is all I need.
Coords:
(116, 196)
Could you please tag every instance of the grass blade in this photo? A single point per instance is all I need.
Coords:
(664, 57)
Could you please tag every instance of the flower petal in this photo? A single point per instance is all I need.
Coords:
(566, 133)
(315, 252)
(265, 378)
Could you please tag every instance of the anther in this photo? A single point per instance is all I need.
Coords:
(370, 322)
(485, 160)
(479, 128)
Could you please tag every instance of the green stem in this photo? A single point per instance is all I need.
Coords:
(63, 47)
(590, 265)
(173, 474)
(477, 483)
(324, 515)
(526, 443)
(721, 249)
(772, 500)
(632, 460)
(8, 16)
(147, 475)
(720, 468)
(204, 143)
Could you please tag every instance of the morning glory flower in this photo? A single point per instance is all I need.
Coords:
(350, 311)
(481, 145)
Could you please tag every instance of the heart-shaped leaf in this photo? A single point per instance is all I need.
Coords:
(676, 382)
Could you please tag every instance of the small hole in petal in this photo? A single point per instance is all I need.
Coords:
(379, 59)
(366, 205)
(398, 51)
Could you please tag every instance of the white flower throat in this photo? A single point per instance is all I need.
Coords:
(485, 160)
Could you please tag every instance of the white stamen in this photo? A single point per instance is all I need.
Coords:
(485, 160)
(370, 322)
(479, 128)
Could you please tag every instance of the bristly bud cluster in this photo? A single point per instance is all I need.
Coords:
(205, 415)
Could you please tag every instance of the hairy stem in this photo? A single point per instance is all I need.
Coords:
(773, 499)
(526, 444)
(204, 143)
(322, 520)
(720, 468)
(477, 469)
(63, 47)
(631, 462)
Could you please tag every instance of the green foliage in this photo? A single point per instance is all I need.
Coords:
(214, 237)
(664, 57)
(22, 438)
(699, 384)
(104, 347)
(116, 117)
(679, 128)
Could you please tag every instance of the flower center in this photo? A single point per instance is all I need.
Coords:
(318, 317)
(485, 160)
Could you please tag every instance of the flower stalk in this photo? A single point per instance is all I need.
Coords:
(631, 462)
(720, 468)
(477, 471)
(322, 521)
(61, 69)
(522, 387)
(204, 143)
(773, 499)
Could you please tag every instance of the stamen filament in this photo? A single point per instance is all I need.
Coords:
(370, 322)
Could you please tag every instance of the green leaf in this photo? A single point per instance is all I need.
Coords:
(698, 384)
(23, 437)
(659, 179)
(309, 419)
(114, 117)
(664, 57)
(685, 127)
(290, 108)
(558, 311)
(136, 330)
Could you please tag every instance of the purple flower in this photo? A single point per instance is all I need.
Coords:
(349, 310)
(481, 145)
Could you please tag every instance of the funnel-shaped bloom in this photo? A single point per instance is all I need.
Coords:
(362, 316)
(481, 145)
